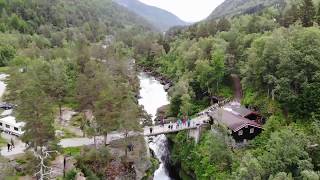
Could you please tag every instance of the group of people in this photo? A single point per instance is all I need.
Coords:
(10, 145)
(185, 122)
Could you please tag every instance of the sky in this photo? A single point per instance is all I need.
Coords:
(187, 10)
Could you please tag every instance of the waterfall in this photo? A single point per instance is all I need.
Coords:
(153, 96)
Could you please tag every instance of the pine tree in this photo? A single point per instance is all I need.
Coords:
(308, 13)
(224, 25)
(35, 107)
(129, 113)
(290, 16)
(318, 15)
(106, 110)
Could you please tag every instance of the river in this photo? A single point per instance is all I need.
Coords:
(153, 96)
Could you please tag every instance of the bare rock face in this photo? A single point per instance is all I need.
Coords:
(138, 160)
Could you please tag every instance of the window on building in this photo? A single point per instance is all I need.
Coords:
(251, 130)
(240, 133)
(7, 126)
(16, 129)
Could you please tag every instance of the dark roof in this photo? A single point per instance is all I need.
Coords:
(241, 110)
(232, 121)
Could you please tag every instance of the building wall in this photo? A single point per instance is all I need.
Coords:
(246, 134)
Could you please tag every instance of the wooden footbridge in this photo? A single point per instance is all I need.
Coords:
(159, 129)
(201, 119)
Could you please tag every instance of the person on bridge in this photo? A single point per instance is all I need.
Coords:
(184, 121)
(179, 122)
(150, 130)
(189, 122)
(9, 146)
(162, 122)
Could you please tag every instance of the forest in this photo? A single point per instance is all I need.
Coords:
(79, 55)
(55, 53)
(275, 53)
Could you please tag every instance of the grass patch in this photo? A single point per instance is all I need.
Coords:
(66, 132)
(4, 69)
(73, 151)
(11, 178)
(2, 141)
(225, 91)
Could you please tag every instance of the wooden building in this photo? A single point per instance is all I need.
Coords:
(240, 127)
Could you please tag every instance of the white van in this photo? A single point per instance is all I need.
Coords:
(10, 125)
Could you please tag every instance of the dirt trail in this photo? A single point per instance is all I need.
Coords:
(237, 87)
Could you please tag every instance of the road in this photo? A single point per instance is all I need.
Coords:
(20, 147)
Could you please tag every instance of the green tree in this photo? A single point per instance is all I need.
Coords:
(249, 168)
(213, 157)
(204, 73)
(35, 108)
(106, 109)
(224, 25)
(308, 13)
(281, 176)
(128, 120)
(318, 15)
(218, 67)
(90, 82)
(19, 24)
(7, 53)
(54, 82)
(290, 16)
(186, 106)
(286, 152)
(310, 175)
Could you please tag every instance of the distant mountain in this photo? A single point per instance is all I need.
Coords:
(231, 8)
(161, 19)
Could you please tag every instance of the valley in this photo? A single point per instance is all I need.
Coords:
(117, 89)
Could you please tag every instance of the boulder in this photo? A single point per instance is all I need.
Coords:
(80, 176)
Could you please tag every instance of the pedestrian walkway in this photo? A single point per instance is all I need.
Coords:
(159, 129)
(19, 146)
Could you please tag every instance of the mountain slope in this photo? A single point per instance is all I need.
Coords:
(161, 19)
(96, 16)
(231, 8)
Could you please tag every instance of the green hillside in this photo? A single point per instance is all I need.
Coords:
(231, 8)
(275, 53)
(38, 16)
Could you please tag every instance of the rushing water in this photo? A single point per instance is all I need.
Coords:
(154, 96)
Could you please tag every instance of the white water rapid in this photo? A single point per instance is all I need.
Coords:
(154, 96)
